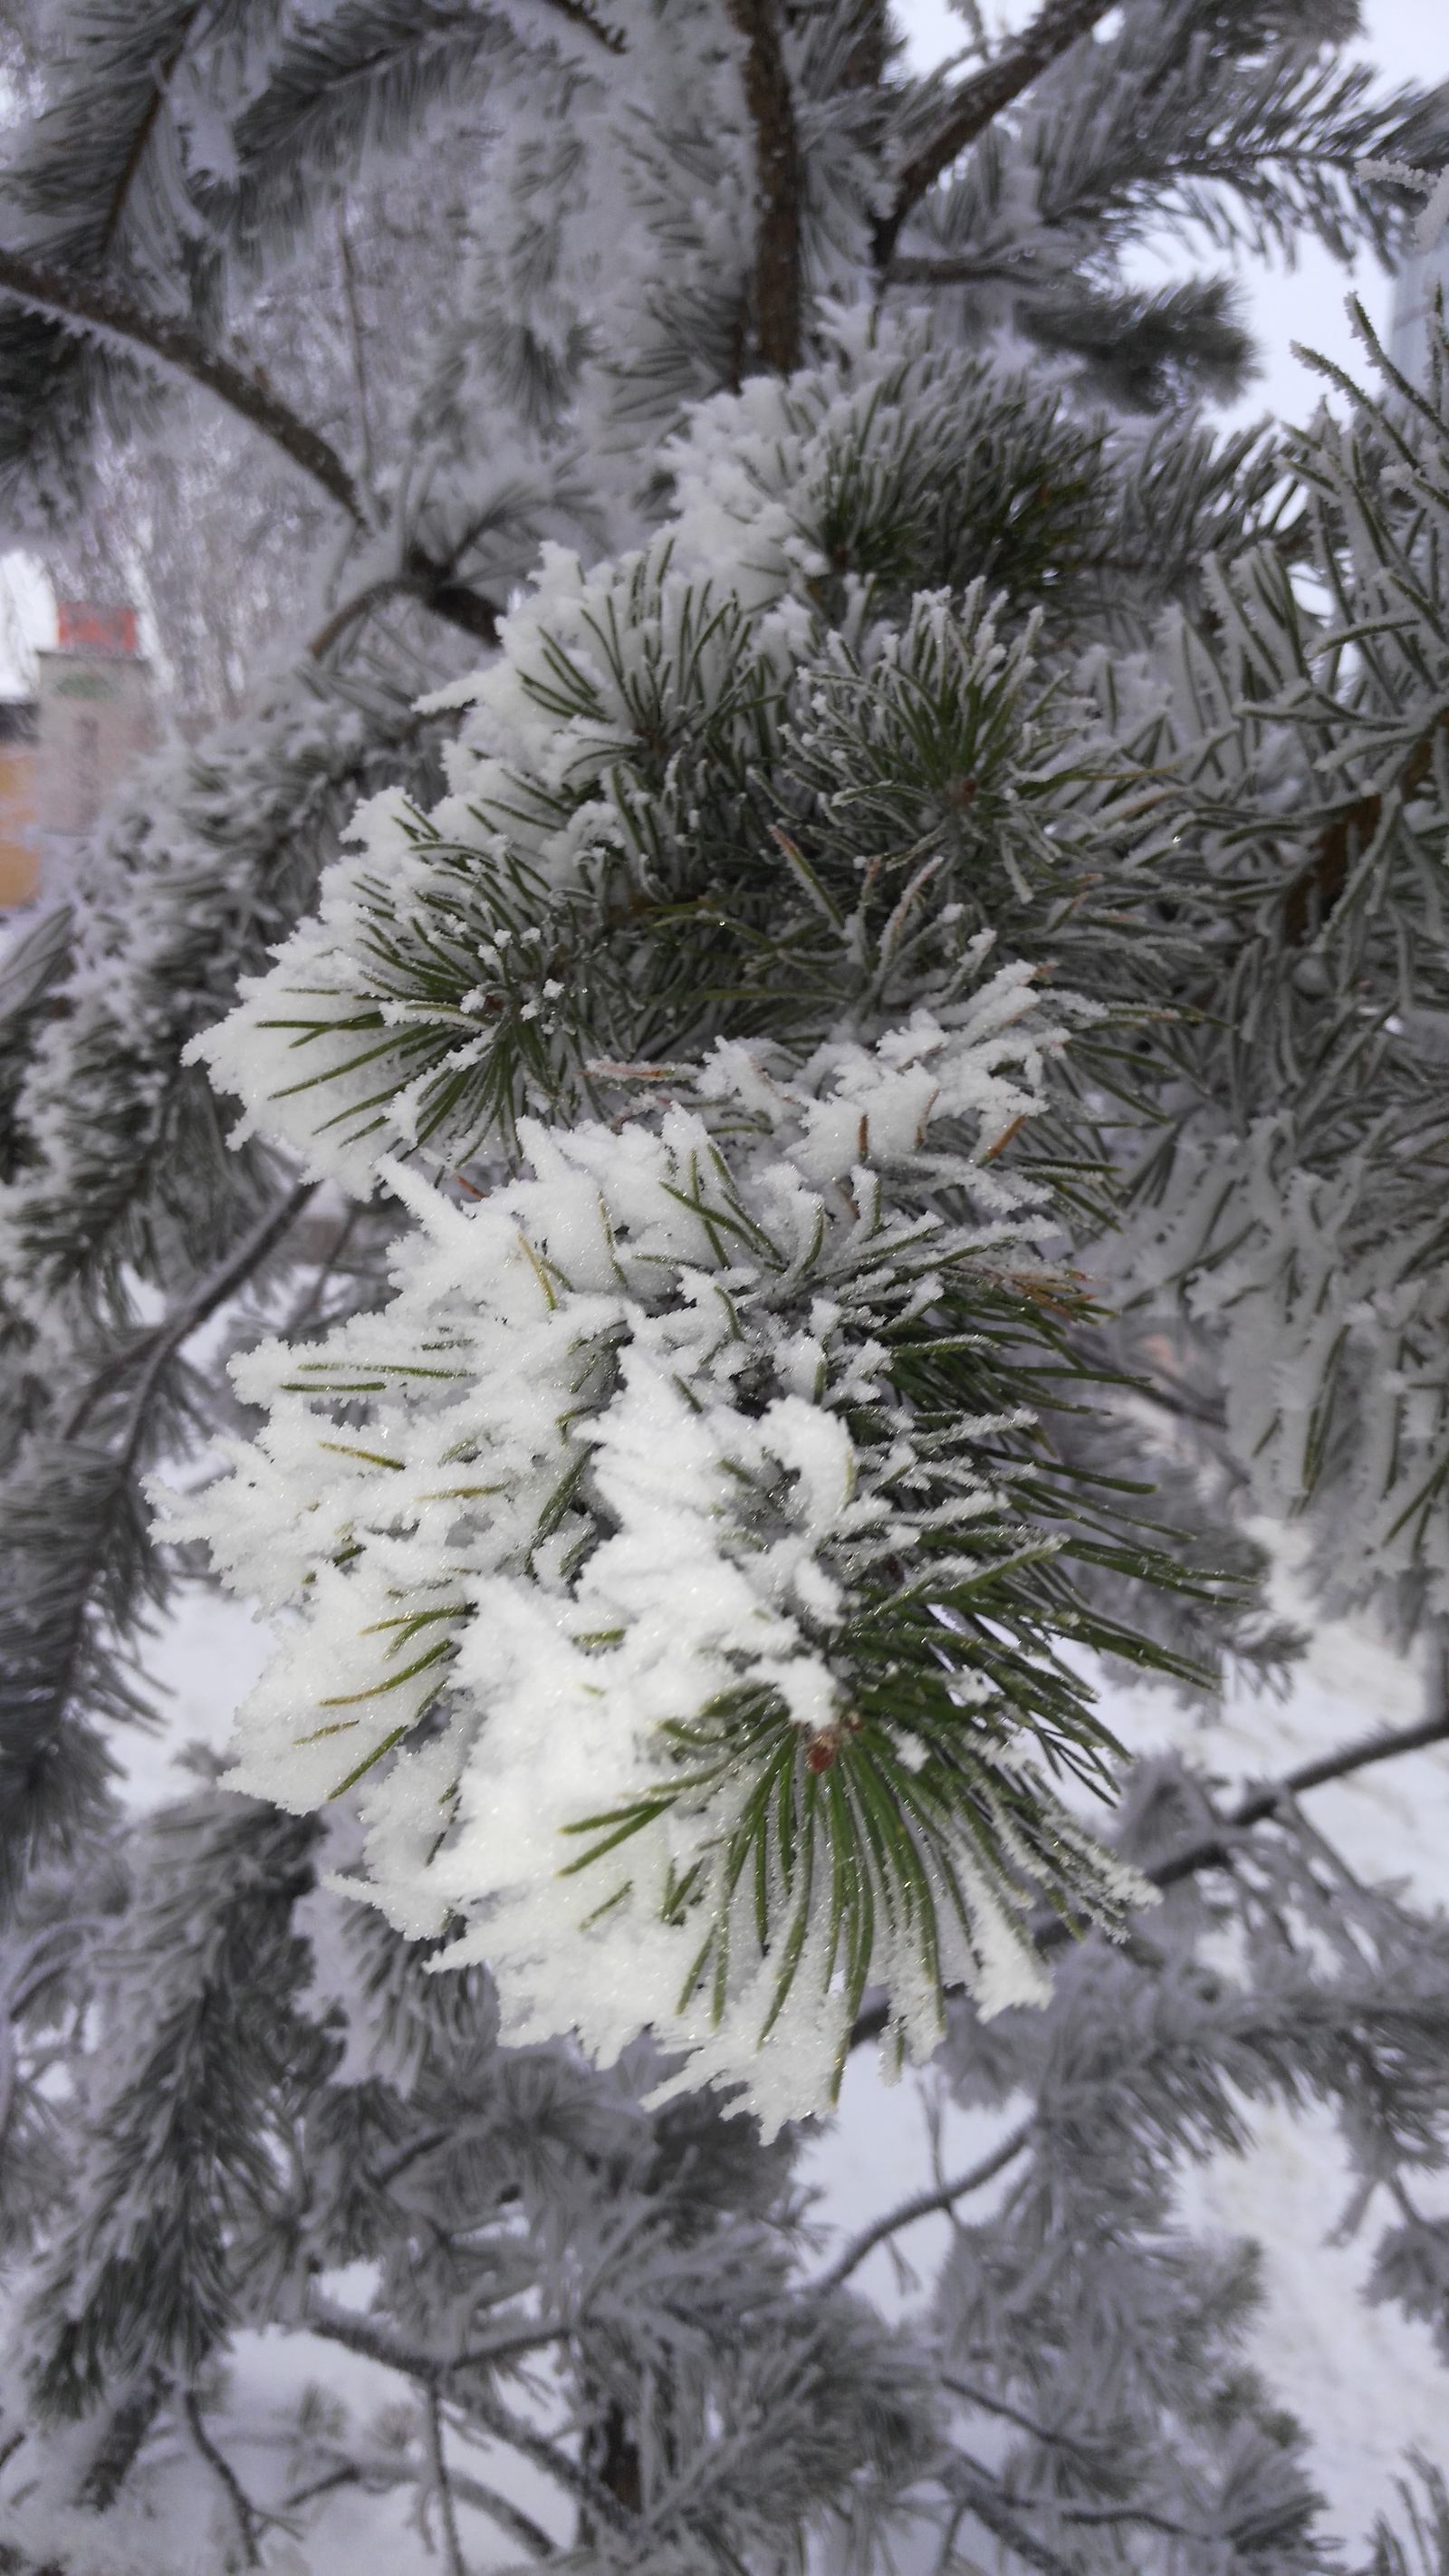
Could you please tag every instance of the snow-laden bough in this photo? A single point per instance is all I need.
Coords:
(651, 1575)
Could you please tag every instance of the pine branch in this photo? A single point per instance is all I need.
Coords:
(105, 309)
(56, 1767)
(777, 161)
(923, 2205)
(130, 2421)
(145, 128)
(980, 100)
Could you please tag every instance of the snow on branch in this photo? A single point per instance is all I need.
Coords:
(981, 99)
(633, 1488)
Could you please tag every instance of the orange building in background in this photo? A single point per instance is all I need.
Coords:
(62, 757)
(19, 802)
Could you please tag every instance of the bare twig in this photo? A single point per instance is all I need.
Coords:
(157, 1347)
(359, 2334)
(438, 2480)
(1212, 1853)
(243, 2511)
(777, 159)
(980, 99)
(922, 2206)
(977, 2489)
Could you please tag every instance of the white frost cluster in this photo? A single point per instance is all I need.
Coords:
(588, 1478)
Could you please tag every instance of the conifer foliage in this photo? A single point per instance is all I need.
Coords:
(711, 1150)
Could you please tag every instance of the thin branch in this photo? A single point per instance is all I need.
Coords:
(967, 2479)
(161, 1344)
(102, 308)
(438, 2480)
(356, 344)
(982, 98)
(923, 2205)
(777, 162)
(590, 2491)
(242, 2509)
(500, 2509)
(360, 2335)
(146, 128)
(413, 2153)
(476, 614)
(973, 2396)
(376, 2477)
(1213, 1853)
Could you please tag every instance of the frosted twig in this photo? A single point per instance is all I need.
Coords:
(980, 99)
(438, 2480)
(361, 2336)
(976, 2488)
(922, 2206)
(243, 2512)
(190, 1315)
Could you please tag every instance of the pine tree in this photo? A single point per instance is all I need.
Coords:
(810, 1134)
